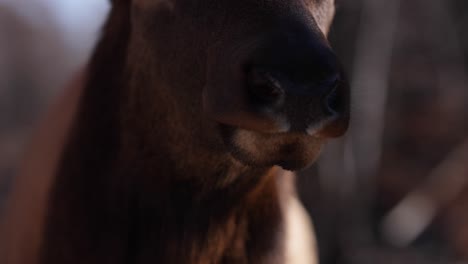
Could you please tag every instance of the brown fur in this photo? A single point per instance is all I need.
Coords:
(147, 175)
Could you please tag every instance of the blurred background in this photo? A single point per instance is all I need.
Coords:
(394, 190)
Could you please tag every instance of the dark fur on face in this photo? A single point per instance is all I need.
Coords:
(171, 155)
(201, 51)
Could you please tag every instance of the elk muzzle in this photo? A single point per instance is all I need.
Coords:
(291, 81)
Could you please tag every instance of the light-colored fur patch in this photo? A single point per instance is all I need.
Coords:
(300, 243)
(300, 238)
(323, 14)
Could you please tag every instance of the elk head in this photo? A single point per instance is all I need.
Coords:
(259, 75)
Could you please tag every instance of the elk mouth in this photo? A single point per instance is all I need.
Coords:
(296, 156)
(289, 150)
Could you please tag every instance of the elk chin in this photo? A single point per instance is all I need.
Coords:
(291, 151)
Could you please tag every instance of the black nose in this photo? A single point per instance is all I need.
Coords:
(272, 88)
(265, 88)
(286, 80)
(296, 68)
(333, 102)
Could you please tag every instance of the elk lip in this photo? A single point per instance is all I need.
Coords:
(290, 166)
(297, 164)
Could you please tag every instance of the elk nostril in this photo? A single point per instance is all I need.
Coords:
(263, 87)
(332, 102)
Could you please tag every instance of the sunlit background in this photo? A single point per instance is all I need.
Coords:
(394, 190)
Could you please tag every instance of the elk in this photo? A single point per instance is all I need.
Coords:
(177, 144)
